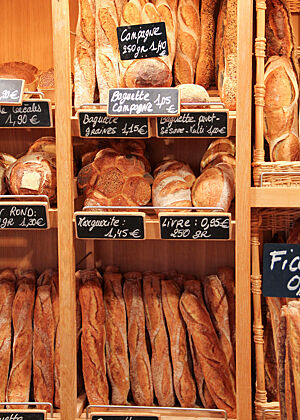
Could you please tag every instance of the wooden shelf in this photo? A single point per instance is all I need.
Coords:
(275, 197)
(53, 218)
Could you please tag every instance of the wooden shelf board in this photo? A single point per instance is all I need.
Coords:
(275, 197)
(53, 218)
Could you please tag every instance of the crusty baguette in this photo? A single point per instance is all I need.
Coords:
(18, 386)
(7, 293)
(168, 13)
(93, 338)
(207, 348)
(84, 55)
(160, 360)
(217, 305)
(116, 338)
(140, 370)
(293, 332)
(270, 361)
(219, 43)
(188, 41)
(274, 305)
(43, 346)
(184, 384)
(205, 74)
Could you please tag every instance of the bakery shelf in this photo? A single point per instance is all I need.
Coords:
(275, 197)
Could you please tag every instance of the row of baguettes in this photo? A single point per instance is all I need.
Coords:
(202, 42)
(29, 336)
(134, 331)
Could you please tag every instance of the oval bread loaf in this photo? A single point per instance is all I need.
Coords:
(179, 168)
(170, 190)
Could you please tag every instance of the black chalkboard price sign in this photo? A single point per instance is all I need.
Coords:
(106, 225)
(142, 41)
(98, 124)
(194, 124)
(195, 226)
(147, 102)
(22, 414)
(11, 91)
(123, 417)
(281, 270)
(31, 113)
(23, 215)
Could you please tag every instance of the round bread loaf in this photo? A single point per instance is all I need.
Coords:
(222, 157)
(34, 174)
(193, 93)
(214, 187)
(132, 147)
(5, 161)
(20, 70)
(43, 144)
(149, 72)
(217, 148)
(170, 190)
(115, 179)
(178, 168)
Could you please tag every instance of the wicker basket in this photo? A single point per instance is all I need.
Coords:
(273, 220)
(268, 174)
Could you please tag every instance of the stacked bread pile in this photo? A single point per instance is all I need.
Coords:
(202, 44)
(281, 128)
(175, 184)
(123, 313)
(32, 174)
(29, 337)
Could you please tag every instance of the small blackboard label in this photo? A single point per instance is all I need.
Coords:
(23, 216)
(147, 102)
(109, 226)
(194, 226)
(194, 124)
(98, 124)
(31, 113)
(281, 270)
(22, 415)
(142, 41)
(11, 91)
(122, 417)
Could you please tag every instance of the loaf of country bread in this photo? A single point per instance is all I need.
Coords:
(184, 384)
(214, 187)
(216, 150)
(140, 370)
(207, 348)
(33, 174)
(217, 305)
(178, 168)
(116, 338)
(43, 144)
(18, 386)
(84, 54)
(205, 72)
(7, 294)
(43, 346)
(106, 47)
(161, 366)
(281, 110)
(93, 337)
(191, 94)
(169, 189)
(5, 161)
(188, 41)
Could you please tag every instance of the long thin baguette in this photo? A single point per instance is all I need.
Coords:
(140, 370)
(184, 384)
(18, 386)
(7, 293)
(116, 338)
(226, 276)
(160, 361)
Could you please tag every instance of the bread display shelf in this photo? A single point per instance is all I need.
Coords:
(275, 197)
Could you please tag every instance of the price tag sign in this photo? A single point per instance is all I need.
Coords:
(281, 270)
(104, 225)
(31, 113)
(23, 215)
(147, 102)
(11, 91)
(23, 414)
(194, 124)
(98, 124)
(195, 226)
(142, 41)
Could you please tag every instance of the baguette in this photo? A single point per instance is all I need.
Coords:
(184, 384)
(116, 338)
(206, 63)
(18, 386)
(84, 55)
(93, 338)
(140, 370)
(43, 346)
(217, 305)
(207, 348)
(293, 331)
(7, 293)
(160, 361)
(270, 362)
